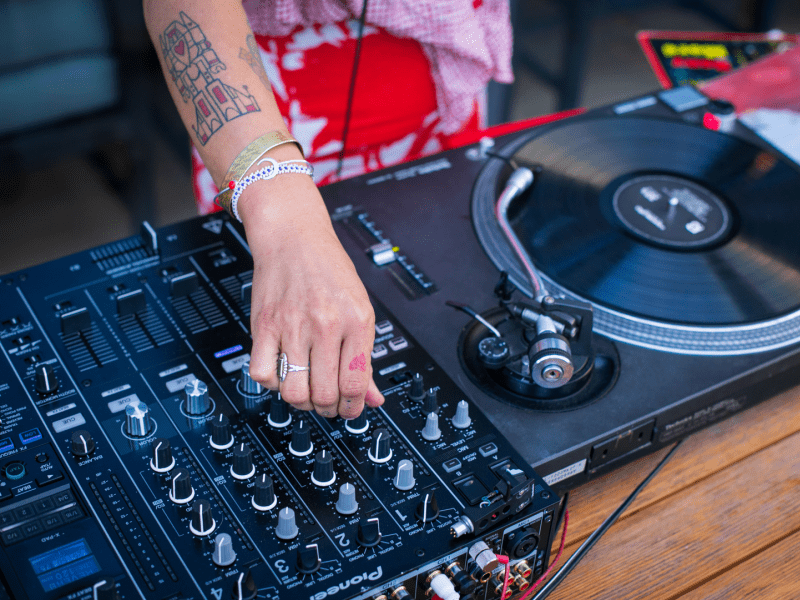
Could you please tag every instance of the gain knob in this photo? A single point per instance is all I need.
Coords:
(244, 588)
(380, 451)
(249, 385)
(308, 558)
(162, 460)
(417, 391)
(105, 589)
(359, 424)
(45, 381)
(137, 419)
(196, 399)
(301, 444)
(264, 494)
(347, 504)
(428, 509)
(242, 467)
(180, 487)
(224, 554)
(221, 436)
(369, 532)
(82, 443)
(431, 431)
(323, 474)
(202, 522)
(279, 413)
(431, 403)
(462, 420)
(286, 529)
(404, 480)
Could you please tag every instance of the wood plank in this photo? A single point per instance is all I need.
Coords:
(702, 454)
(674, 545)
(773, 574)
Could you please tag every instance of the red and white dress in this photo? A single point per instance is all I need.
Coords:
(423, 69)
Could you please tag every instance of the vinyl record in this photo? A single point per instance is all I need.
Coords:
(663, 220)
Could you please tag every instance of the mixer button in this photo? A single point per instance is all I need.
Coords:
(301, 444)
(380, 450)
(221, 436)
(323, 474)
(242, 467)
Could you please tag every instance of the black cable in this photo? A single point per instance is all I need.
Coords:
(573, 560)
(562, 509)
(361, 21)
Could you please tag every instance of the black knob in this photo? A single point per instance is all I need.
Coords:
(264, 493)
(105, 589)
(244, 588)
(308, 558)
(301, 444)
(180, 487)
(428, 508)
(430, 405)
(380, 451)
(323, 474)
(221, 436)
(46, 382)
(82, 443)
(417, 391)
(279, 413)
(242, 467)
(162, 460)
(369, 532)
(359, 424)
(202, 521)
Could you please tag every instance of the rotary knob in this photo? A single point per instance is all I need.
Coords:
(162, 460)
(462, 420)
(430, 404)
(404, 480)
(46, 382)
(137, 419)
(431, 431)
(82, 443)
(308, 558)
(244, 588)
(242, 467)
(279, 413)
(221, 436)
(196, 399)
(428, 509)
(202, 522)
(105, 589)
(249, 385)
(180, 487)
(347, 504)
(359, 424)
(323, 474)
(301, 444)
(286, 529)
(264, 493)
(369, 532)
(380, 451)
(417, 391)
(224, 555)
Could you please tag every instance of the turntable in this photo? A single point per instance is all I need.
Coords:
(654, 289)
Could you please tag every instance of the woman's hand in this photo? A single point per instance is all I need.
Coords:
(307, 302)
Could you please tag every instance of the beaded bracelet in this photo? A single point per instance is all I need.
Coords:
(274, 169)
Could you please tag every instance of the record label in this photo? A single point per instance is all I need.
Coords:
(671, 211)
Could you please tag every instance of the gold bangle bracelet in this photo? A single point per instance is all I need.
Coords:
(246, 159)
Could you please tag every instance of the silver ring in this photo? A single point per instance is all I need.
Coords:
(284, 367)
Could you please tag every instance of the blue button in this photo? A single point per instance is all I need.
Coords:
(28, 437)
(6, 444)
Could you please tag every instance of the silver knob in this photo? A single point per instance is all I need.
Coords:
(137, 419)
(250, 385)
(347, 505)
(431, 430)
(197, 401)
(286, 528)
(462, 420)
(224, 553)
(404, 480)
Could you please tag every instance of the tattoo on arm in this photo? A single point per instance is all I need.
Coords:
(253, 58)
(194, 67)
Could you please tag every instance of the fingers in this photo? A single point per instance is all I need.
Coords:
(373, 398)
(355, 374)
(325, 375)
(295, 388)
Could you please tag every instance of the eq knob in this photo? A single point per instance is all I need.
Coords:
(264, 493)
(369, 532)
(242, 467)
(244, 588)
(431, 403)
(308, 558)
(279, 413)
(323, 474)
(105, 589)
(221, 436)
(196, 400)
(162, 460)
(224, 555)
(301, 444)
(428, 509)
(417, 391)
(45, 380)
(249, 385)
(202, 523)
(380, 450)
(82, 443)
(286, 529)
(137, 419)
(180, 487)
(358, 425)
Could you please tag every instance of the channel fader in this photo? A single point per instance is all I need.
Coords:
(140, 459)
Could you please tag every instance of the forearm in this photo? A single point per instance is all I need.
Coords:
(214, 73)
